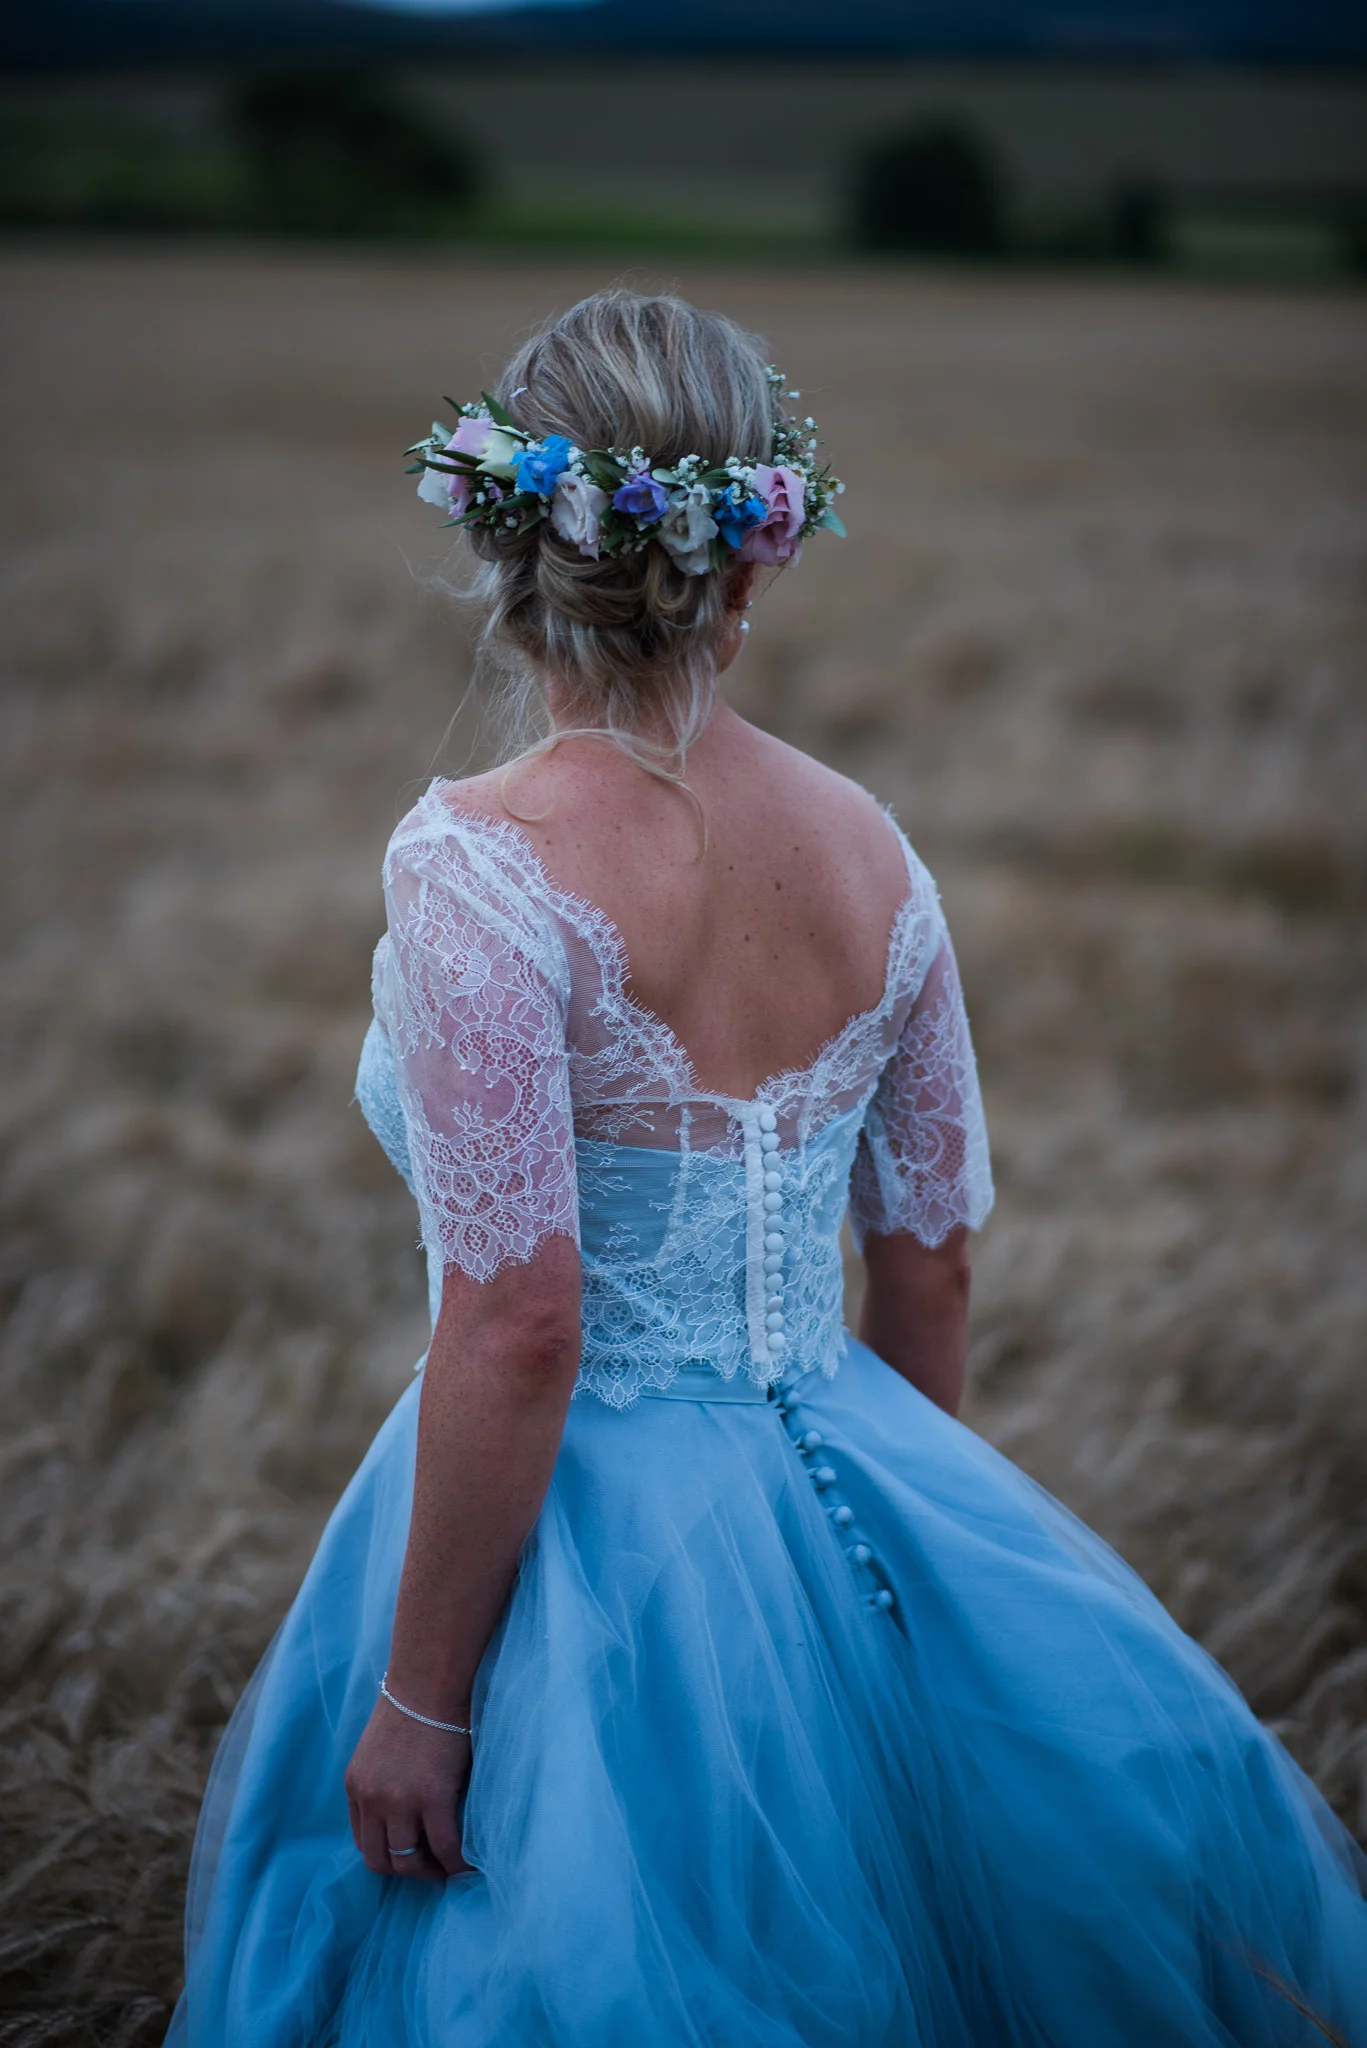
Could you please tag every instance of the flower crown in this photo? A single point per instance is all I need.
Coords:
(494, 475)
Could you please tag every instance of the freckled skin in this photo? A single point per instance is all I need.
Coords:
(754, 949)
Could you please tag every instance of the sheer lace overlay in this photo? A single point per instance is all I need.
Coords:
(473, 990)
(540, 1099)
(922, 1162)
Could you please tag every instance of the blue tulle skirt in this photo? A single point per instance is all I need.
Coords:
(862, 1742)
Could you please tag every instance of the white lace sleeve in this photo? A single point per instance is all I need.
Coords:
(922, 1164)
(472, 987)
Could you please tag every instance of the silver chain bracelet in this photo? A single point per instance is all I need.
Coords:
(446, 1727)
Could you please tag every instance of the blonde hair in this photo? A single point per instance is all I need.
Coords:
(633, 640)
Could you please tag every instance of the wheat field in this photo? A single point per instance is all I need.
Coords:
(1099, 638)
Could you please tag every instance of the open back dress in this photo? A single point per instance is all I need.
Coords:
(810, 1721)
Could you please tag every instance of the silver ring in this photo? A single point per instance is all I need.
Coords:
(404, 1852)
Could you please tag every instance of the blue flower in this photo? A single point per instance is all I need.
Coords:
(538, 468)
(643, 498)
(736, 515)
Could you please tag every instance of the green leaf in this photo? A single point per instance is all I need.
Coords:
(497, 413)
(606, 473)
(832, 522)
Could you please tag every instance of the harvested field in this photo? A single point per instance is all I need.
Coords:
(1099, 638)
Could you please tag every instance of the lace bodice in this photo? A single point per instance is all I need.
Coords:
(524, 1093)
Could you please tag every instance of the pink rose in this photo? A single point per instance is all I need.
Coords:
(494, 448)
(775, 540)
(471, 436)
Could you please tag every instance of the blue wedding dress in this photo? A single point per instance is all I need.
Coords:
(810, 1722)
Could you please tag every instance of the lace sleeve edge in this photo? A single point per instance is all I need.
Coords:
(448, 1260)
(929, 1229)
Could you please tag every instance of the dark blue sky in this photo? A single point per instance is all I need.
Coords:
(1191, 28)
(85, 34)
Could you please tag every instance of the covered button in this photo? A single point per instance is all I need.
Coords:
(813, 1440)
(882, 1598)
(773, 1240)
(844, 1516)
(773, 1182)
(772, 1204)
(768, 1141)
(767, 1120)
(861, 1553)
(824, 1475)
(776, 1341)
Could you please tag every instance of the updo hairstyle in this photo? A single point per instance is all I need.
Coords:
(634, 640)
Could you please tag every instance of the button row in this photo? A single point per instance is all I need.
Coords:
(823, 1477)
(775, 1335)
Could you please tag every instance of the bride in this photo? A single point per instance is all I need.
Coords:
(676, 1672)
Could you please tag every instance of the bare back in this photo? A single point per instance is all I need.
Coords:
(759, 948)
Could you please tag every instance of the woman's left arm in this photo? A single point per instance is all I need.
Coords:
(496, 1387)
(471, 989)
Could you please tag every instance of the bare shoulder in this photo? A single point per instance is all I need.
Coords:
(840, 819)
(476, 796)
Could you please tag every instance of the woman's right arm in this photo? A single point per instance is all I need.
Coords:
(922, 1180)
(915, 1312)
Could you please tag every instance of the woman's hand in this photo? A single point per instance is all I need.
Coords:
(403, 1787)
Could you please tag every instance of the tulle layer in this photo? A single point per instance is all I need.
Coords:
(724, 1799)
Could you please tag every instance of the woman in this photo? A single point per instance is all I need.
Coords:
(676, 1669)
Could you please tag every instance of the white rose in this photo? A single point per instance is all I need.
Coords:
(444, 488)
(576, 510)
(686, 529)
(500, 454)
(434, 489)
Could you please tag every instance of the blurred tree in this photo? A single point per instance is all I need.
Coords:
(1353, 231)
(332, 147)
(1138, 223)
(936, 187)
